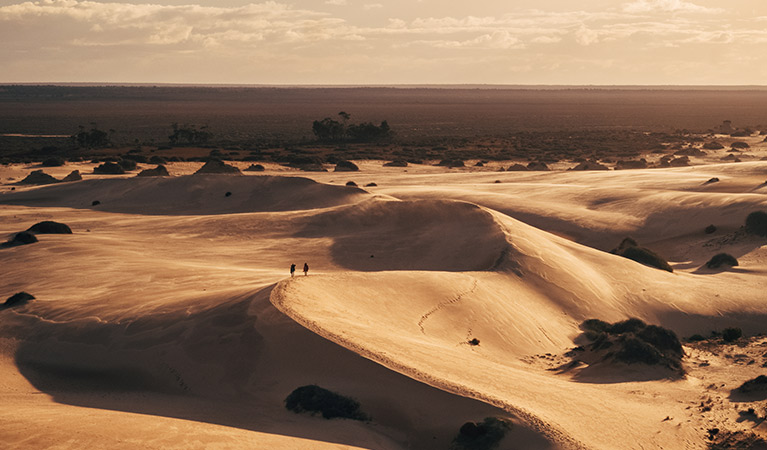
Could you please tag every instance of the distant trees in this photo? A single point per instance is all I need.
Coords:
(93, 138)
(330, 130)
(189, 134)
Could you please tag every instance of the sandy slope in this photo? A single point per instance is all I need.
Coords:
(153, 325)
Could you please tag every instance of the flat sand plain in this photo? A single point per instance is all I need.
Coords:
(168, 318)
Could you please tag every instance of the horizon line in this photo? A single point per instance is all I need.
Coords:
(397, 85)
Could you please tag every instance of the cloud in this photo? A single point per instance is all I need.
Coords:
(370, 6)
(336, 2)
(666, 6)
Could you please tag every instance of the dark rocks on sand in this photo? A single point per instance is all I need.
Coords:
(50, 227)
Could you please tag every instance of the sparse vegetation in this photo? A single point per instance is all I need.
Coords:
(94, 138)
(485, 435)
(632, 341)
(189, 134)
(721, 259)
(109, 168)
(20, 238)
(50, 227)
(18, 298)
(758, 384)
(736, 440)
(732, 334)
(756, 223)
(314, 399)
(333, 131)
(629, 248)
(710, 229)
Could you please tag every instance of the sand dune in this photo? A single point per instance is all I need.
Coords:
(168, 320)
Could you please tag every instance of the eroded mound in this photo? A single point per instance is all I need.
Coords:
(198, 194)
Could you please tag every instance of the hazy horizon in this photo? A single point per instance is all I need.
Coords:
(398, 42)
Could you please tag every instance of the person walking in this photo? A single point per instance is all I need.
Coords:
(292, 270)
(306, 269)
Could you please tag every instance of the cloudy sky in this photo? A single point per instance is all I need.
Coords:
(385, 41)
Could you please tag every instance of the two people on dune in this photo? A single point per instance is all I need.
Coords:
(293, 269)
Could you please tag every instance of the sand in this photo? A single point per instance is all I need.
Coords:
(169, 320)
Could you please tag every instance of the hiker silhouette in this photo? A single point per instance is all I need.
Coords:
(292, 270)
(306, 269)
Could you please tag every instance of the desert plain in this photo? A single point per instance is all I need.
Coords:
(435, 296)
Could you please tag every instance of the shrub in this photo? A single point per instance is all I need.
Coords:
(631, 325)
(635, 350)
(351, 184)
(155, 159)
(396, 163)
(721, 259)
(314, 399)
(696, 338)
(109, 168)
(710, 229)
(21, 238)
(255, 168)
(756, 223)
(647, 257)
(18, 299)
(481, 436)
(346, 166)
(758, 384)
(53, 161)
(713, 145)
(632, 341)
(128, 164)
(629, 248)
(732, 334)
(50, 227)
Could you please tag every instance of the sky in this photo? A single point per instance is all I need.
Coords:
(373, 42)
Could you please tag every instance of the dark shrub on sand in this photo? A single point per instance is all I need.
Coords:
(159, 171)
(756, 223)
(351, 184)
(21, 238)
(721, 259)
(629, 248)
(758, 384)
(537, 165)
(50, 227)
(731, 334)
(109, 168)
(314, 399)
(156, 159)
(710, 229)
(739, 144)
(632, 341)
(713, 145)
(18, 298)
(396, 163)
(346, 166)
(53, 161)
(127, 164)
(255, 168)
(484, 435)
